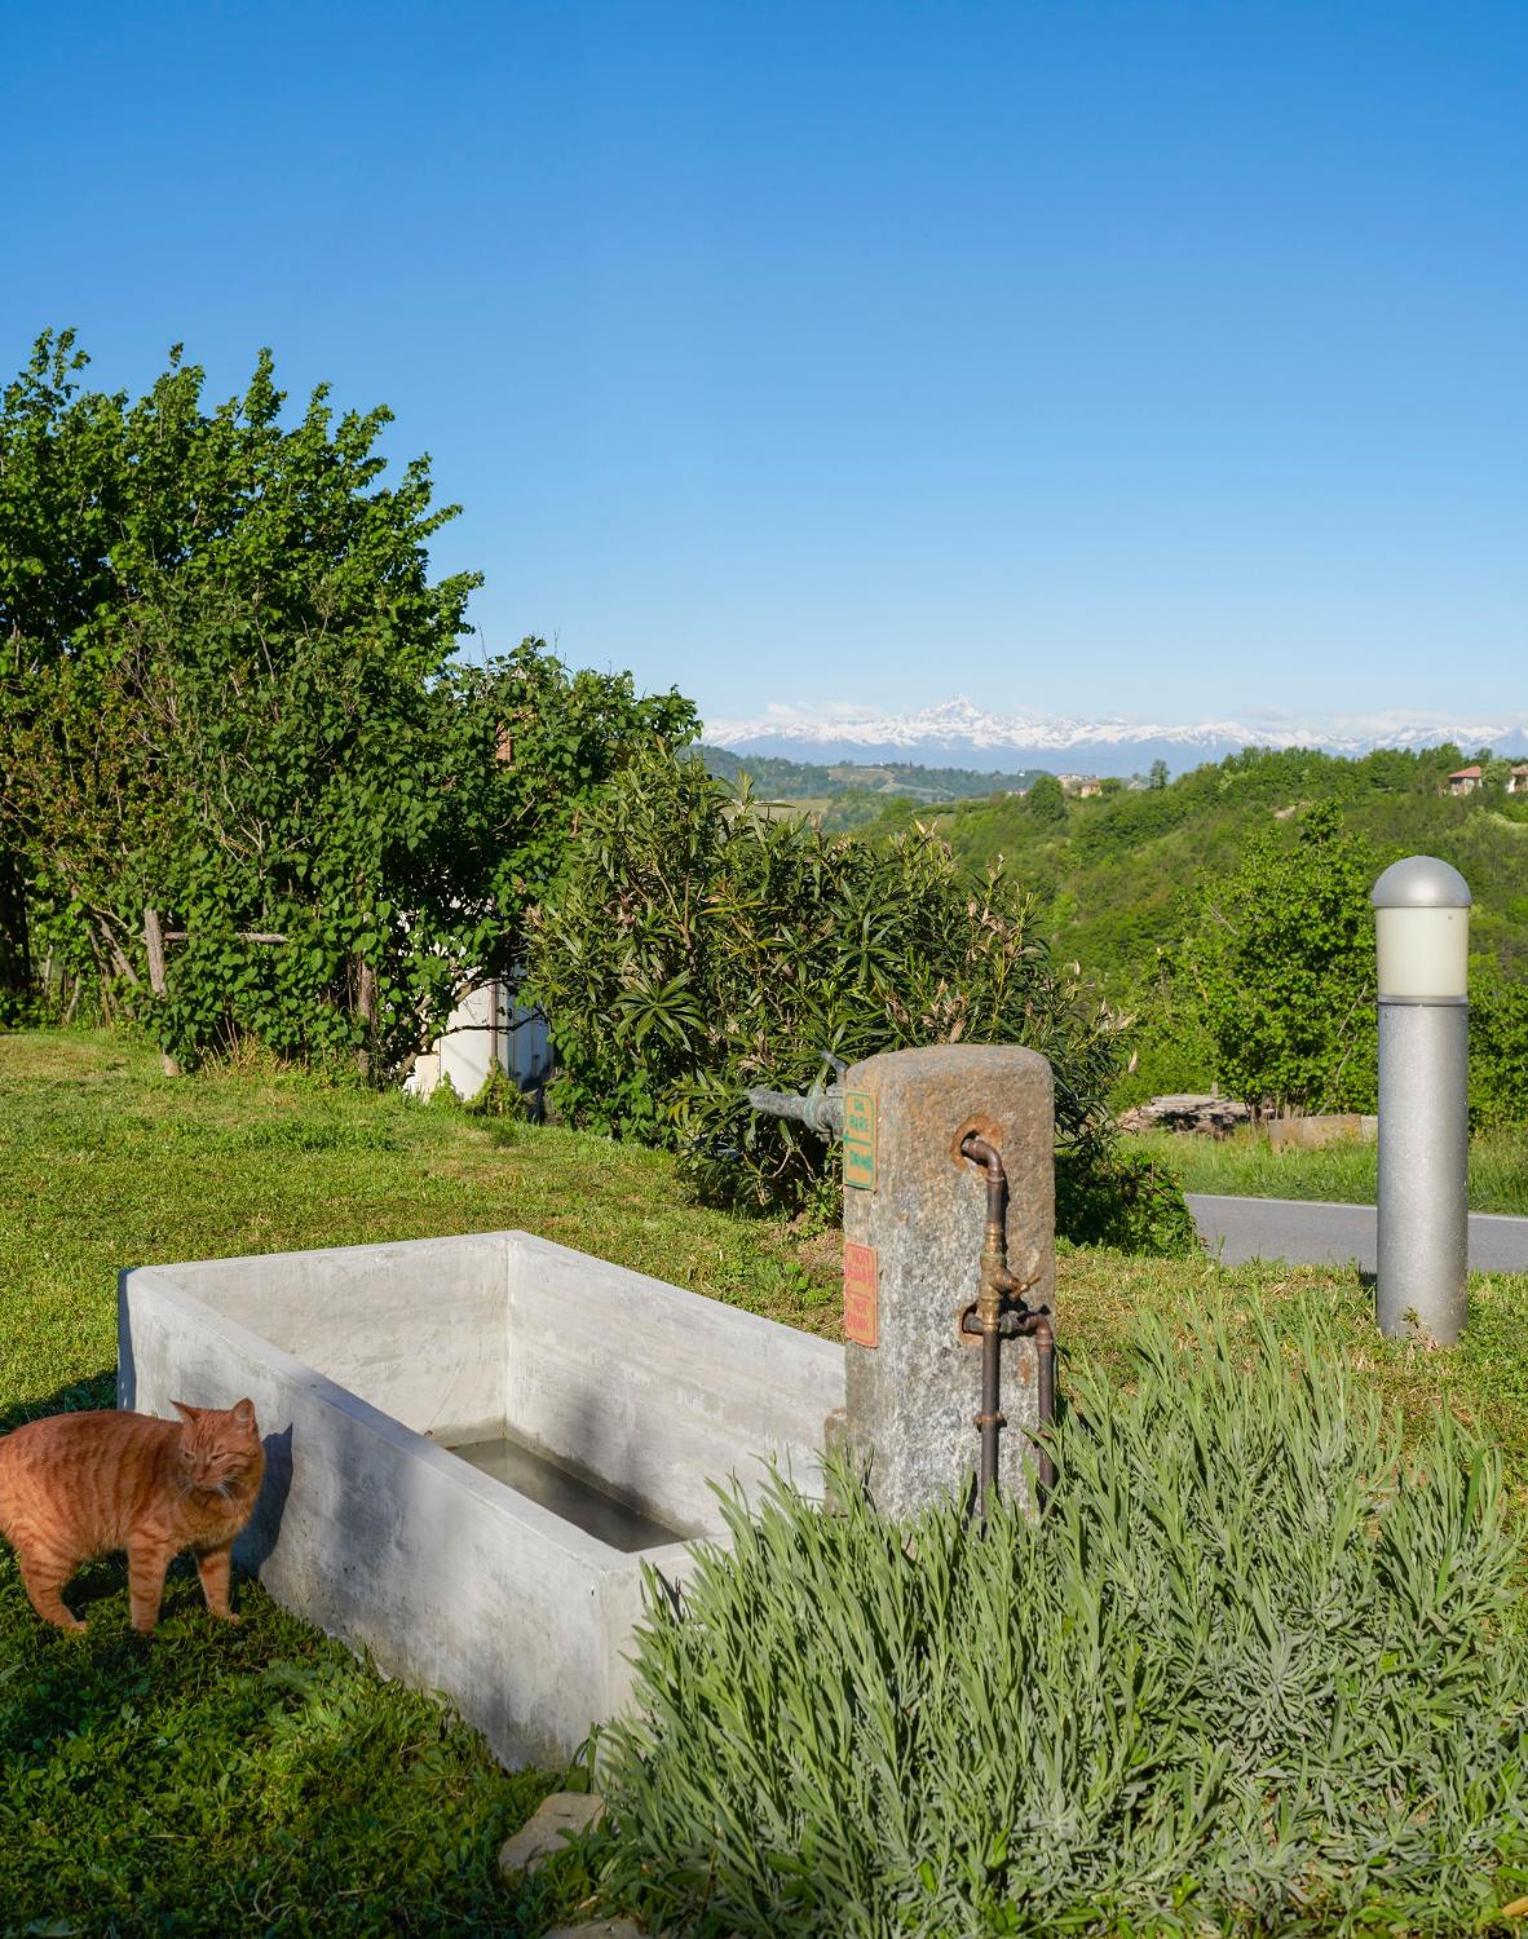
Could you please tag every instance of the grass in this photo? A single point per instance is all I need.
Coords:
(263, 1779)
(106, 1163)
(1247, 1164)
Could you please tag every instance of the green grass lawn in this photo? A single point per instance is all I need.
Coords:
(1247, 1164)
(214, 1781)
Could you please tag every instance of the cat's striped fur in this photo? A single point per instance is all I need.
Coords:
(75, 1486)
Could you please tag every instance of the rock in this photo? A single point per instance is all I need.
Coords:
(556, 1819)
(599, 1929)
(1211, 1117)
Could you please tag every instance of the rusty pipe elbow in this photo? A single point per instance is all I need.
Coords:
(976, 1148)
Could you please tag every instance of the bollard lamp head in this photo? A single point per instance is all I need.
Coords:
(1422, 932)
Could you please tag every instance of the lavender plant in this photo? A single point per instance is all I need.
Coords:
(1253, 1671)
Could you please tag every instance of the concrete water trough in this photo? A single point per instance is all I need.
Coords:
(473, 1446)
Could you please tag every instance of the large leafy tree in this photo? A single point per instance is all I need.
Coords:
(229, 694)
(1282, 963)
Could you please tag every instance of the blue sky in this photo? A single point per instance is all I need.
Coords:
(1168, 359)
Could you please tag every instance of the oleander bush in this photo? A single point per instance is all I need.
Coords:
(1254, 1670)
(696, 945)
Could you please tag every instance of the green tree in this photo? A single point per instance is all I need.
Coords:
(228, 692)
(1282, 962)
(1158, 775)
(1046, 800)
(1498, 1044)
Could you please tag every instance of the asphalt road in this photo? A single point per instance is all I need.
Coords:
(1314, 1232)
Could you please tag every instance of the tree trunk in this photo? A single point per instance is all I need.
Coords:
(153, 937)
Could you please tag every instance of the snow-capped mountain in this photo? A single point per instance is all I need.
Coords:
(957, 733)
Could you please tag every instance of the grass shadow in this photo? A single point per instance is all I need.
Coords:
(96, 1390)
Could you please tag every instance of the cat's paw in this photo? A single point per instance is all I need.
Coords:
(226, 1616)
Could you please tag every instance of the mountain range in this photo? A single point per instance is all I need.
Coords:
(960, 733)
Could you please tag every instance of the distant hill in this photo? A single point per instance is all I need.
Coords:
(1117, 875)
(780, 779)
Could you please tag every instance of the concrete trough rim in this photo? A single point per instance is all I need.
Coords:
(498, 1496)
(676, 1298)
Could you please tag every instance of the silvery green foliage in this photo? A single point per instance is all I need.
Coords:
(1253, 1671)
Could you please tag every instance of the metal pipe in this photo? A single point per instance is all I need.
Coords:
(999, 1302)
(820, 1111)
(1037, 1327)
(991, 1421)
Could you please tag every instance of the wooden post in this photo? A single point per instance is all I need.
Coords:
(153, 936)
(366, 1009)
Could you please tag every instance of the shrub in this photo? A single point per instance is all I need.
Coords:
(1251, 1671)
(695, 946)
(1125, 1200)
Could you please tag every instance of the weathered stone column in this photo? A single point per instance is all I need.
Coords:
(913, 1217)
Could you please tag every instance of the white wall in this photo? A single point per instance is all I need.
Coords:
(485, 1028)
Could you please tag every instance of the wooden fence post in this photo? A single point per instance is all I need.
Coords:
(153, 936)
(366, 1009)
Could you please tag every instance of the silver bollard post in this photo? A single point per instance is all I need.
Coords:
(1422, 934)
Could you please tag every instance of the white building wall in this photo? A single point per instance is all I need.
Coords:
(485, 1028)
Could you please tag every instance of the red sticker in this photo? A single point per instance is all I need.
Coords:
(860, 1321)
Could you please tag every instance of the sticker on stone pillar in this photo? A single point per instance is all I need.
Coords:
(861, 1323)
(859, 1140)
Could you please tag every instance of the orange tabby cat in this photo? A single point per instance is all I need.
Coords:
(75, 1486)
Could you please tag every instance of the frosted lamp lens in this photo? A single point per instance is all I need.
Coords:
(1423, 952)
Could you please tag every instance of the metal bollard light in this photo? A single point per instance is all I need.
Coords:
(1422, 930)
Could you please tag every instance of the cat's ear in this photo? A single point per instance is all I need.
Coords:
(242, 1413)
(192, 1414)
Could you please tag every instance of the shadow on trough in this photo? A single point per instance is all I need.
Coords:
(254, 1547)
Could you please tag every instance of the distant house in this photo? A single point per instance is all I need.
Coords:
(1517, 778)
(1081, 785)
(1463, 780)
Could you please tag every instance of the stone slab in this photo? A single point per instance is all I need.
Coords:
(563, 1815)
(1327, 1128)
(1203, 1114)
